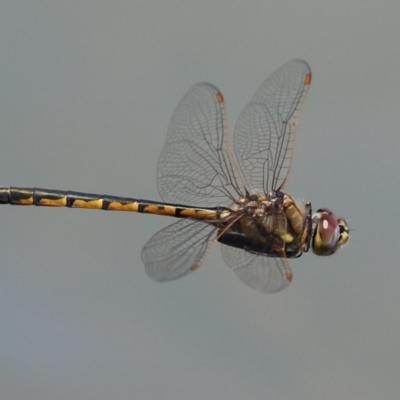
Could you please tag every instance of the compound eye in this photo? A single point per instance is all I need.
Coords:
(326, 234)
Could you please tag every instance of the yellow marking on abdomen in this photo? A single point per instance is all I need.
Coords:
(116, 206)
(94, 204)
(225, 214)
(201, 214)
(25, 202)
(164, 210)
(62, 202)
(169, 210)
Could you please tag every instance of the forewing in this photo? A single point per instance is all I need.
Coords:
(264, 274)
(265, 131)
(195, 166)
(176, 250)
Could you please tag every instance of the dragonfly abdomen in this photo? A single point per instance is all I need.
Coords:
(67, 198)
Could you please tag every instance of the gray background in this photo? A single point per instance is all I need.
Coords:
(87, 91)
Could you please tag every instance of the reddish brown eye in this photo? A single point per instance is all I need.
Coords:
(326, 233)
(328, 229)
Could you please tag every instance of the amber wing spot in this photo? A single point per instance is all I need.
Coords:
(194, 267)
(307, 79)
(220, 98)
(289, 275)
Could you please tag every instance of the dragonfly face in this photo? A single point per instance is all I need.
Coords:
(234, 198)
(329, 232)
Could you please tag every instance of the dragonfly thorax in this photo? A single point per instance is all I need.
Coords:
(274, 225)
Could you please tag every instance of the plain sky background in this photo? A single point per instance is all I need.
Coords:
(87, 91)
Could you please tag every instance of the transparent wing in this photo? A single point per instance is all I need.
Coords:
(177, 249)
(265, 131)
(195, 166)
(264, 274)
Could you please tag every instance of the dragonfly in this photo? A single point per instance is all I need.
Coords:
(235, 197)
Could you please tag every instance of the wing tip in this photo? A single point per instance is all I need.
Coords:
(194, 267)
(219, 97)
(289, 276)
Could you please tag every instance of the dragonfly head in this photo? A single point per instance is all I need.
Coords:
(330, 233)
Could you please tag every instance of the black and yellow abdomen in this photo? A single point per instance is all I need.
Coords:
(61, 198)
